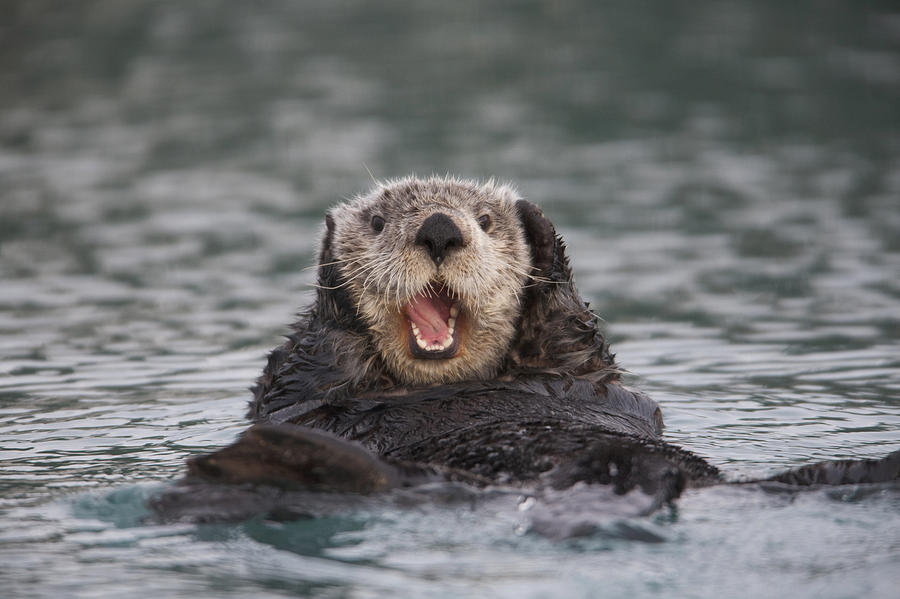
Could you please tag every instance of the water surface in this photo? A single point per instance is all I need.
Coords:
(727, 176)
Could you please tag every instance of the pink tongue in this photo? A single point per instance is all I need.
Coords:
(430, 314)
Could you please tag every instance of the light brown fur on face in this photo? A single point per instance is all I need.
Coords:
(384, 270)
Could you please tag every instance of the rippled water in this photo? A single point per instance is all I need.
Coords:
(727, 175)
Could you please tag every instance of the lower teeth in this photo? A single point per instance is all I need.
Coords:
(446, 343)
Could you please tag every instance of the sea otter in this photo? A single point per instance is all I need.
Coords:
(447, 342)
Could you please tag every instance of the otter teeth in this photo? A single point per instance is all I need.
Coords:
(442, 345)
(433, 320)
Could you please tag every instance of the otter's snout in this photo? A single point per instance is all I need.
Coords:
(439, 235)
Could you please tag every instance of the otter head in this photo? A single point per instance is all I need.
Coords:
(432, 272)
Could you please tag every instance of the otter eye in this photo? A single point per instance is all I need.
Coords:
(377, 224)
(484, 221)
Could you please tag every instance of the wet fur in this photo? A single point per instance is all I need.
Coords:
(341, 347)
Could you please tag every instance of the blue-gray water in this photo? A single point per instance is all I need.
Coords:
(727, 175)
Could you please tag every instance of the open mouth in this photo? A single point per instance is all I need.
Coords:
(433, 318)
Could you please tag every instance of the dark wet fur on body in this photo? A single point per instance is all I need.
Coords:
(554, 415)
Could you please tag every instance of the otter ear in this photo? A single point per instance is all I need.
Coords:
(333, 300)
(541, 237)
(330, 294)
(325, 255)
(328, 274)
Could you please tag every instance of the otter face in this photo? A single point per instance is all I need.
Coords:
(436, 270)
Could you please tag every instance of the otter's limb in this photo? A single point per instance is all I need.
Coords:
(286, 472)
(296, 457)
(842, 472)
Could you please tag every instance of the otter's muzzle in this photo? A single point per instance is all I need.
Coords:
(439, 235)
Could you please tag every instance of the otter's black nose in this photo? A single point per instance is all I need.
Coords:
(439, 234)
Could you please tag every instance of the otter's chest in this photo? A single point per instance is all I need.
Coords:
(388, 424)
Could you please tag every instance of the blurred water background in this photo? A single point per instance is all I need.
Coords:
(727, 176)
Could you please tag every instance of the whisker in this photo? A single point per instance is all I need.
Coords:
(332, 263)
(326, 287)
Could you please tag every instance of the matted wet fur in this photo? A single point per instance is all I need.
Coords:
(448, 342)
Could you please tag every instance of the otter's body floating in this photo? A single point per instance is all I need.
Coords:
(448, 342)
